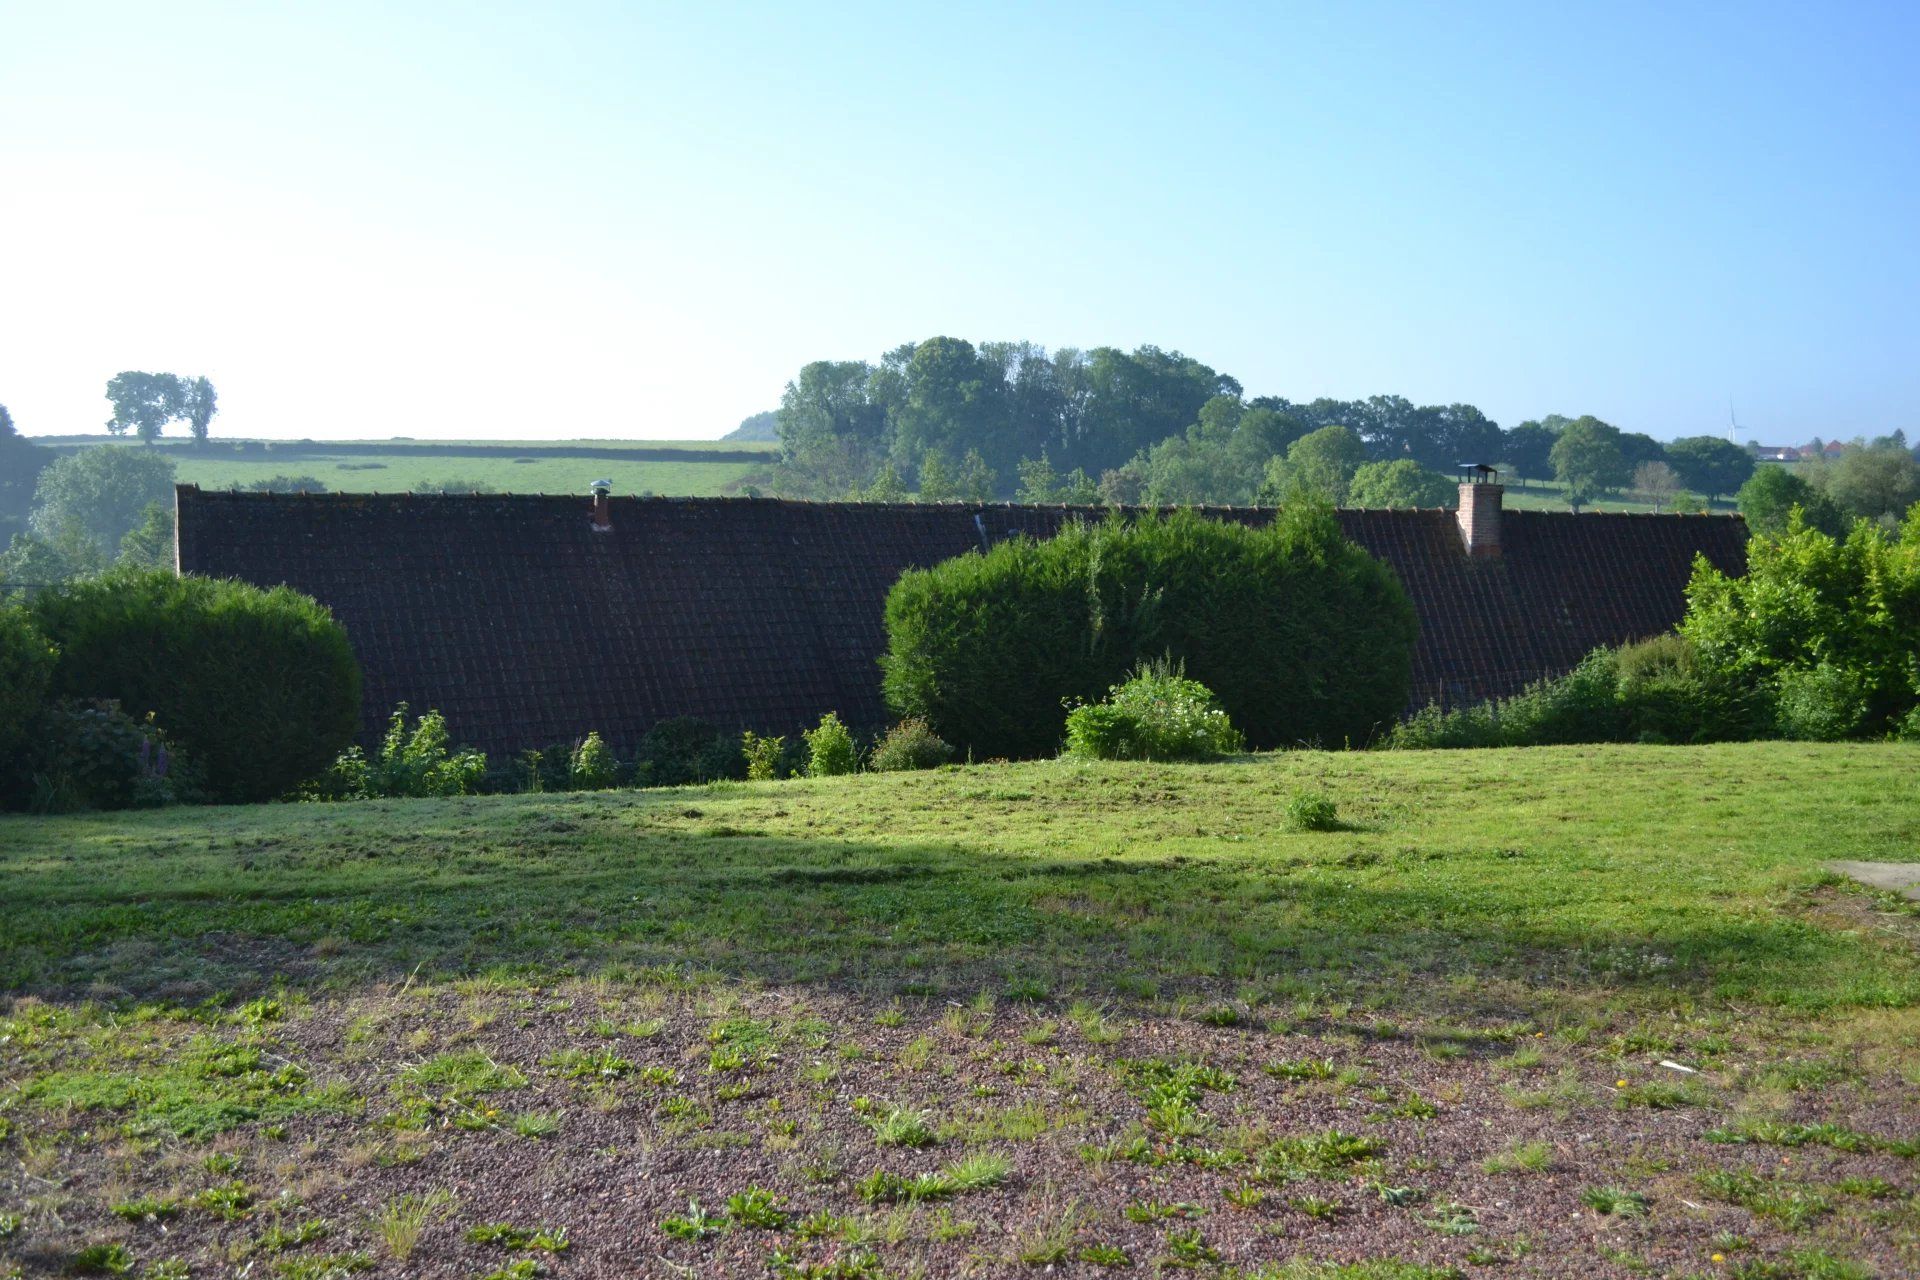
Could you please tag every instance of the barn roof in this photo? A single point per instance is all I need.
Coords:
(525, 626)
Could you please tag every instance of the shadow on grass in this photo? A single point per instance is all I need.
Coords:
(336, 907)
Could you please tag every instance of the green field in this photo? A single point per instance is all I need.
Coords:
(505, 467)
(985, 1021)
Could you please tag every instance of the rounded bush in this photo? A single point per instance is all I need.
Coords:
(1302, 636)
(1158, 714)
(911, 744)
(259, 687)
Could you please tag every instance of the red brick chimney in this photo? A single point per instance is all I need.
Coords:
(602, 516)
(1479, 517)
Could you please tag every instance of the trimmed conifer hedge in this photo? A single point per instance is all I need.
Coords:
(1303, 636)
(260, 688)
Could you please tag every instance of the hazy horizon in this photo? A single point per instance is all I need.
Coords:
(614, 223)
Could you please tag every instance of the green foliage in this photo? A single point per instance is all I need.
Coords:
(27, 664)
(1654, 691)
(763, 755)
(149, 544)
(1301, 636)
(91, 755)
(100, 495)
(830, 749)
(1709, 464)
(1401, 483)
(684, 750)
(1879, 482)
(911, 744)
(1830, 625)
(591, 767)
(1310, 812)
(417, 761)
(1319, 466)
(259, 688)
(1588, 460)
(147, 402)
(1769, 498)
(287, 484)
(1157, 714)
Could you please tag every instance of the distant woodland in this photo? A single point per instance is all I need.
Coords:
(948, 419)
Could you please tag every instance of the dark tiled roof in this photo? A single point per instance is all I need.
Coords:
(526, 627)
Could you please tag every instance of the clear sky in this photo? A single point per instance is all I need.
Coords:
(639, 221)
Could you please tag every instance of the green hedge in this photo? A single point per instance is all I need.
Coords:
(1302, 636)
(27, 661)
(259, 687)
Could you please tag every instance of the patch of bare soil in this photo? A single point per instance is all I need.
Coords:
(706, 1130)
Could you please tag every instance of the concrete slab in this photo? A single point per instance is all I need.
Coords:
(1900, 877)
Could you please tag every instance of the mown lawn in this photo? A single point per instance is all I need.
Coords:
(1572, 1011)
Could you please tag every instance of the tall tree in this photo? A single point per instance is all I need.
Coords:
(1587, 460)
(1771, 495)
(201, 405)
(1529, 451)
(145, 402)
(1400, 483)
(1710, 465)
(1657, 482)
(1319, 465)
(1880, 484)
(100, 494)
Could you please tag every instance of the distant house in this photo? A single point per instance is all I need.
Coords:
(530, 620)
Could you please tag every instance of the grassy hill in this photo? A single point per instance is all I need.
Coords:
(986, 1019)
(678, 468)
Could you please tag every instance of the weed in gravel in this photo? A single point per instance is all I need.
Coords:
(1655, 1095)
(1778, 1134)
(279, 1238)
(1525, 1157)
(974, 1173)
(1376, 1269)
(518, 1269)
(166, 1269)
(101, 1260)
(401, 1220)
(1319, 1208)
(758, 1208)
(1093, 1024)
(1302, 1069)
(534, 1124)
(1329, 1154)
(520, 1239)
(1187, 1248)
(903, 1127)
(1451, 1219)
(1615, 1202)
(583, 1064)
(1566, 1092)
(695, 1224)
(1105, 1255)
(1244, 1196)
(1049, 1240)
(1792, 1206)
(229, 1202)
(1155, 1211)
(465, 1073)
(147, 1209)
(326, 1266)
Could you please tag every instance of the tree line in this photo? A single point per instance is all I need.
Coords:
(946, 419)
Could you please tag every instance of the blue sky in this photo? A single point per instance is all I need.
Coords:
(629, 220)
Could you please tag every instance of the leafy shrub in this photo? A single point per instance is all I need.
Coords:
(1158, 714)
(592, 766)
(1821, 703)
(830, 749)
(1309, 812)
(1652, 691)
(763, 755)
(27, 663)
(684, 750)
(413, 761)
(1302, 636)
(259, 688)
(911, 744)
(1809, 600)
(94, 756)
